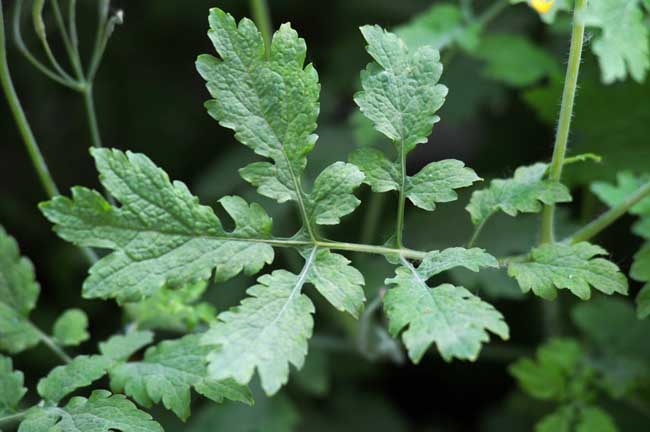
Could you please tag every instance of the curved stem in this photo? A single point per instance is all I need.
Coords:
(566, 113)
(262, 17)
(19, 116)
(71, 49)
(609, 217)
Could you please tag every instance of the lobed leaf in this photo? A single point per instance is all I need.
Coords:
(452, 317)
(11, 387)
(268, 331)
(525, 192)
(160, 235)
(102, 412)
(557, 266)
(81, 372)
(168, 371)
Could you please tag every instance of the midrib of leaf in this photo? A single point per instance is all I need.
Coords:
(296, 181)
(425, 288)
(302, 278)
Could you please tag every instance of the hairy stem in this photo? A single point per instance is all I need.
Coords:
(609, 217)
(566, 113)
(262, 17)
(19, 116)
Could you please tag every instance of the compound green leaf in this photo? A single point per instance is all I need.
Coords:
(268, 331)
(557, 266)
(400, 92)
(435, 183)
(71, 328)
(332, 196)
(168, 371)
(452, 317)
(622, 47)
(525, 192)
(102, 412)
(18, 287)
(121, 347)
(270, 103)
(81, 372)
(160, 235)
(11, 387)
(339, 282)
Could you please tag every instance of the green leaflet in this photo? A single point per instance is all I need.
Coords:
(557, 266)
(81, 372)
(452, 317)
(71, 328)
(400, 92)
(271, 104)
(160, 235)
(121, 347)
(514, 60)
(167, 373)
(102, 412)
(339, 282)
(332, 196)
(18, 287)
(622, 47)
(440, 26)
(525, 192)
(267, 331)
(435, 183)
(11, 387)
(18, 295)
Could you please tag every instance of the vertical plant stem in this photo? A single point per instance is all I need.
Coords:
(89, 105)
(566, 113)
(399, 230)
(262, 17)
(19, 116)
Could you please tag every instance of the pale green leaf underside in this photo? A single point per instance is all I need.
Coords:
(71, 328)
(622, 46)
(452, 317)
(526, 192)
(435, 183)
(271, 104)
(400, 92)
(11, 387)
(160, 235)
(102, 412)
(167, 373)
(268, 331)
(558, 266)
(79, 373)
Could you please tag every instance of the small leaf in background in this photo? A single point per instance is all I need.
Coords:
(11, 387)
(574, 267)
(71, 328)
(121, 347)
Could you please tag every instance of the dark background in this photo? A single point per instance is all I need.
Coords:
(150, 99)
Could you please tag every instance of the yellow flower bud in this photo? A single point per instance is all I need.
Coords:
(542, 6)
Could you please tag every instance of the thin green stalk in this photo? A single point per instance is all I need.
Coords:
(371, 249)
(19, 116)
(492, 11)
(91, 114)
(477, 231)
(262, 17)
(566, 113)
(71, 49)
(399, 229)
(52, 345)
(609, 217)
